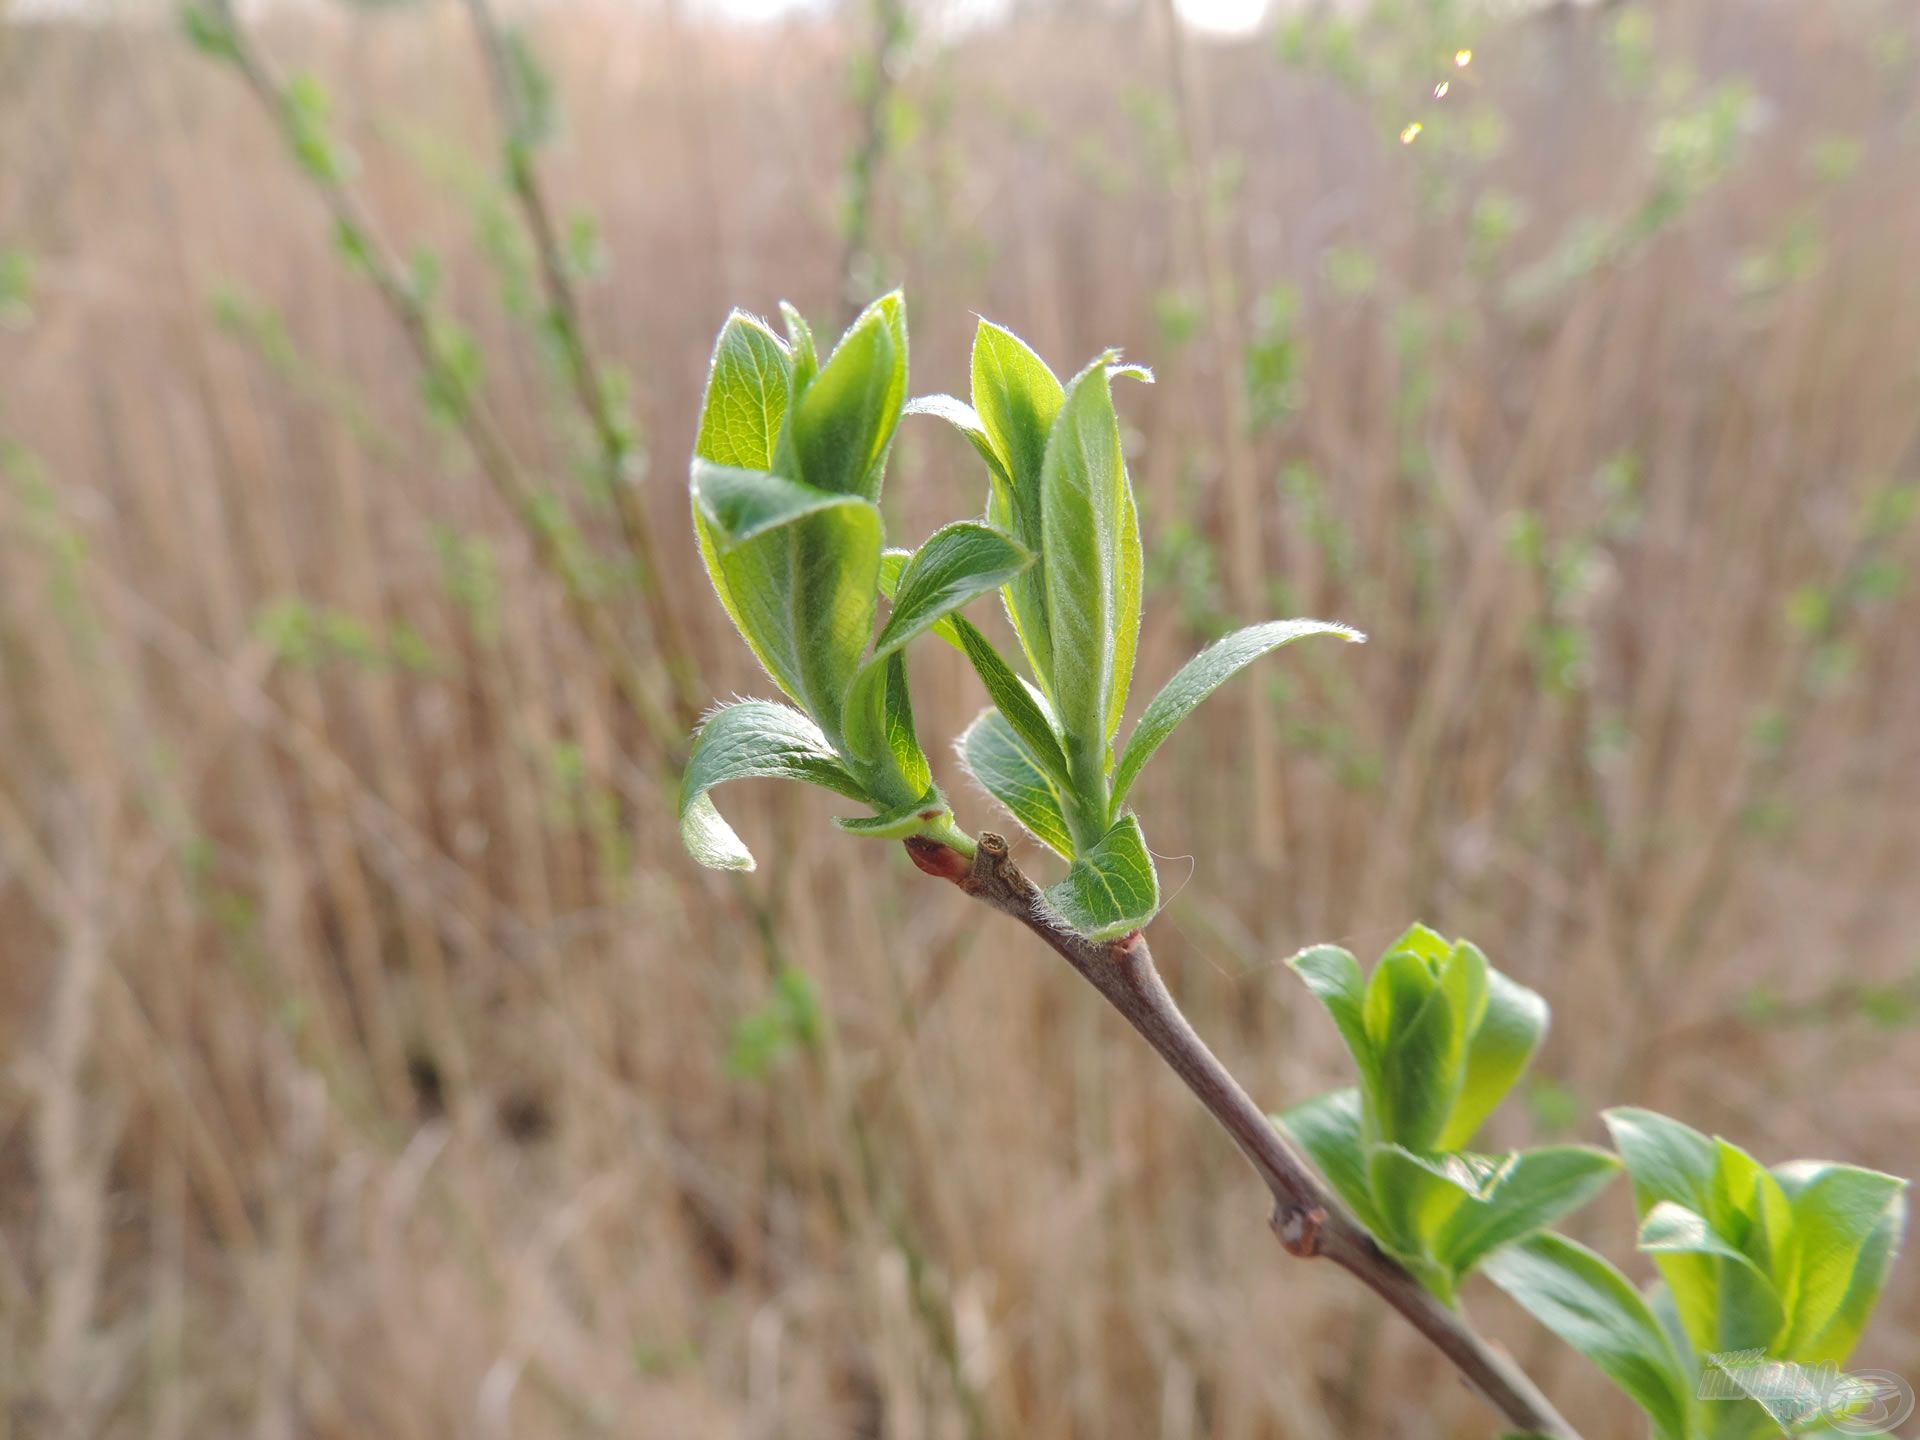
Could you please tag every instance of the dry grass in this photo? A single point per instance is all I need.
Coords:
(367, 1031)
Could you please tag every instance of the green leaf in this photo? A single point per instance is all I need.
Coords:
(1129, 570)
(1538, 1188)
(1667, 1160)
(1589, 1304)
(747, 383)
(880, 739)
(1410, 1024)
(1426, 942)
(843, 423)
(1199, 678)
(1012, 698)
(798, 570)
(1112, 888)
(892, 564)
(1417, 1194)
(956, 564)
(1016, 399)
(1331, 1130)
(1847, 1225)
(806, 359)
(747, 739)
(1748, 1206)
(1725, 1300)
(1514, 1024)
(1333, 975)
(742, 505)
(1001, 765)
(1083, 487)
(1672, 1229)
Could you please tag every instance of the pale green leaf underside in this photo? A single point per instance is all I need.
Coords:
(1199, 678)
(1000, 765)
(1333, 975)
(1111, 889)
(1331, 1129)
(1011, 696)
(752, 738)
(1588, 1304)
(1667, 1160)
(742, 505)
(800, 570)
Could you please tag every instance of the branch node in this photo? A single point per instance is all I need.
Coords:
(1298, 1227)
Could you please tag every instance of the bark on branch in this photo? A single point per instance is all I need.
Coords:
(1308, 1219)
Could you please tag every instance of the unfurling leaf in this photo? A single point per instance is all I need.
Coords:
(740, 741)
(964, 418)
(957, 564)
(844, 419)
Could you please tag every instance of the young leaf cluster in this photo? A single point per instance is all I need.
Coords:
(1439, 1038)
(1783, 1264)
(786, 479)
(1767, 1278)
(1765, 1275)
(1057, 483)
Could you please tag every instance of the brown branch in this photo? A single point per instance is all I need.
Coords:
(1308, 1219)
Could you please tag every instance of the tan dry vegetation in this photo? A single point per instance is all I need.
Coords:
(366, 1028)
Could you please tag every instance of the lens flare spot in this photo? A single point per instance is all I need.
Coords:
(1462, 59)
(1440, 90)
(1411, 133)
